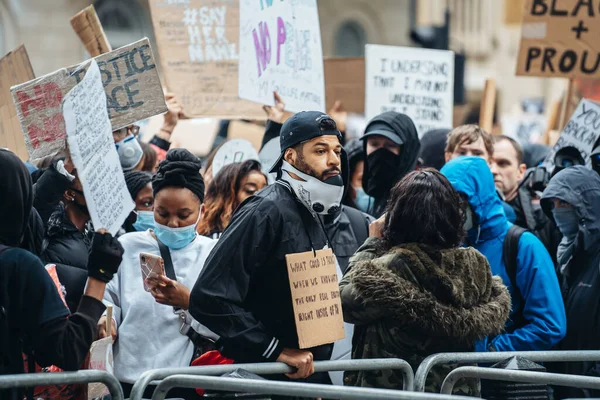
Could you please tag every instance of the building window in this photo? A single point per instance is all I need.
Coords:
(350, 40)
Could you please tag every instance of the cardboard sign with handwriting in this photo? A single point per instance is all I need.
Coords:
(560, 39)
(345, 81)
(315, 297)
(133, 92)
(198, 43)
(15, 68)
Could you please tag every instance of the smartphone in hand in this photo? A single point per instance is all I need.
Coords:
(152, 266)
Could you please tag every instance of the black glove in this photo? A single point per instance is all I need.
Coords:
(106, 254)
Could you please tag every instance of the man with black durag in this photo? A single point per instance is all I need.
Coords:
(392, 147)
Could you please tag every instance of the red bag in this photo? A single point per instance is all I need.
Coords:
(212, 357)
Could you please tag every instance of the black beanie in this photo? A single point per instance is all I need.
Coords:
(136, 181)
(180, 169)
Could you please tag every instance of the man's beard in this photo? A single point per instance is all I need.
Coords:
(302, 166)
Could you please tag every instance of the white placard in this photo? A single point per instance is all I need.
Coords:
(416, 82)
(582, 131)
(94, 154)
(233, 151)
(280, 50)
(268, 155)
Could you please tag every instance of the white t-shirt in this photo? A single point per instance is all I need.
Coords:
(148, 332)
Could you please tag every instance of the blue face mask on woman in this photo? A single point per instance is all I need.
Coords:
(145, 221)
(363, 201)
(176, 238)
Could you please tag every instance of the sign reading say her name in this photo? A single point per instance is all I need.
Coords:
(198, 47)
(415, 82)
(560, 39)
(94, 153)
(280, 50)
(315, 297)
(582, 131)
(131, 83)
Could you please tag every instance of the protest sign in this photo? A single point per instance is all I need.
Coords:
(582, 131)
(315, 297)
(94, 153)
(132, 86)
(415, 82)
(280, 50)
(488, 105)
(15, 68)
(345, 81)
(233, 151)
(268, 155)
(560, 39)
(198, 47)
(89, 29)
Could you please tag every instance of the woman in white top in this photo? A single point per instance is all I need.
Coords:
(148, 333)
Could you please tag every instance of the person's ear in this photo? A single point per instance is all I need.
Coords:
(290, 156)
(202, 209)
(69, 195)
(522, 170)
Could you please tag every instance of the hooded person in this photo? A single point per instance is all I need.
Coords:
(433, 145)
(572, 201)
(391, 146)
(537, 319)
(243, 293)
(33, 317)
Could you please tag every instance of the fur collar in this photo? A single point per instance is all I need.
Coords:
(448, 293)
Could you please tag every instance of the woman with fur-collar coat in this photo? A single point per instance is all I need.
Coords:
(413, 292)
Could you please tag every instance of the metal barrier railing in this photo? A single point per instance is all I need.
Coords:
(288, 389)
(546, 378)
(63, 378)
(276, 368)
(473, 358)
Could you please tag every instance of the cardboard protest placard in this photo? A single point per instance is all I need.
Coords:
(89, 29)
(15, 68)
(132, 86)
(280, 50)
(416, 82)
(582, 131)
(233, 151)
(345, 81)
(560, 39)
(198, 47)
(94, 154)
(315, 297)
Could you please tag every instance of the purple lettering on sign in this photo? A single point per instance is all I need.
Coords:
(262, 46)
(280, 36)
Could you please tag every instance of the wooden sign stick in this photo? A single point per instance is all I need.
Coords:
(89, 29)
(488, 104)
(566, 105)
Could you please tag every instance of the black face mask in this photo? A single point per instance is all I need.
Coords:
(382, 165)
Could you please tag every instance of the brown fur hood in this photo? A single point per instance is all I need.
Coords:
(449, 293)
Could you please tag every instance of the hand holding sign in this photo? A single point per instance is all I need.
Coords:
(276, 113)
(339, 116)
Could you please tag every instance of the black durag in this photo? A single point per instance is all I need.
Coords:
(180, 169)
(16, 201)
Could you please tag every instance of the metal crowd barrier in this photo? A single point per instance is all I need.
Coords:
(493, 357)
(546, 378)
(288, 389)
(275, 368)
(63, 378)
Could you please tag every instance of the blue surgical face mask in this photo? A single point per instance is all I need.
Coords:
(145, 221)
(567, 221)
(176, 238)
(363, 201)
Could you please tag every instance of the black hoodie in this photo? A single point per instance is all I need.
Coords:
(404, 127)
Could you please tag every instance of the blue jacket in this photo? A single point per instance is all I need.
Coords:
(543, 311)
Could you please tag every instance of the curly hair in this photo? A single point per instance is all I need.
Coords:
(221, 196)
(424, 208)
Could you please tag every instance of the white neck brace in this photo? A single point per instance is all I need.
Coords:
(319, 197)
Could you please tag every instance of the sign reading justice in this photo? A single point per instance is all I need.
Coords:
(560, 39)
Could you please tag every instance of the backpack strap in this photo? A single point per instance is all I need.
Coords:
(510, 252)
(359, 223)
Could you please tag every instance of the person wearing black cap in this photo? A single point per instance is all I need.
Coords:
(392, 146)
(33, 318)
(139, 185)
(148, 333)
(243, 293)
